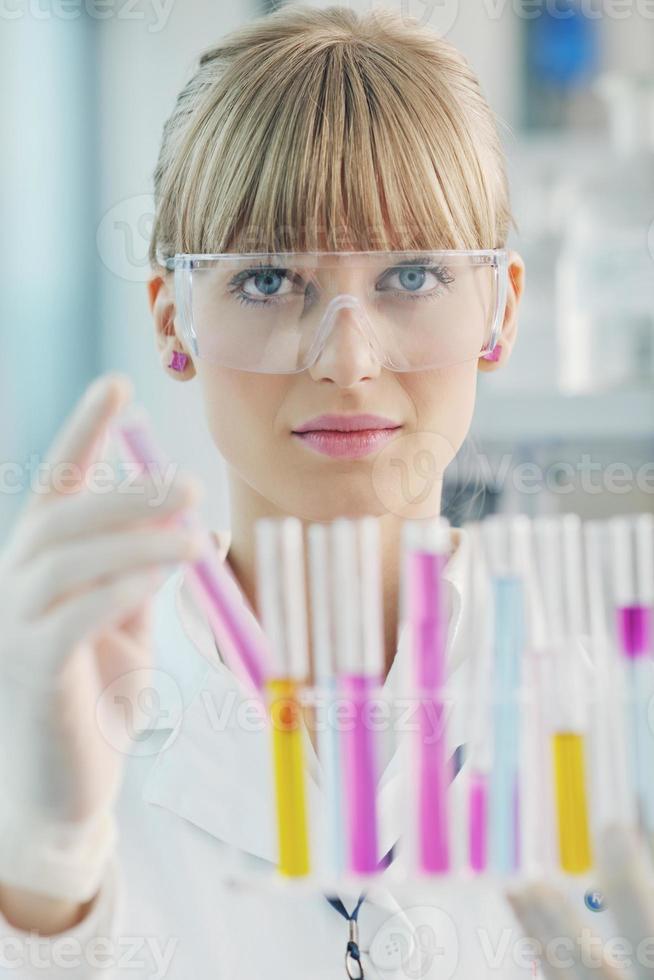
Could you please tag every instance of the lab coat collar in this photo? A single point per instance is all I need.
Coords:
(214, 769)
(199, 632)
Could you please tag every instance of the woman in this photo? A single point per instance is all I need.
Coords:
(305, 130)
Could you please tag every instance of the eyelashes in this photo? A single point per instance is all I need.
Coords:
(444, 277)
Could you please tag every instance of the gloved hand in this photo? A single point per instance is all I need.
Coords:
(570, 951)
(76, 581)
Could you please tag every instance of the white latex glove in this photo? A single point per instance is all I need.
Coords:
(76, 581)
(570, 951)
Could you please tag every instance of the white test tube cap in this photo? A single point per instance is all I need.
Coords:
(506, 542)
(321, 617)
(559, 563)
(355, 569)
(344, 586)
(294, 596)
(281, 592)
(371, 598)
(632, 559)
(596, 573)
(507, 545)
(431, 535)
(477, 583)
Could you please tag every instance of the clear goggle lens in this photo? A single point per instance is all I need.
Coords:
(274, 312)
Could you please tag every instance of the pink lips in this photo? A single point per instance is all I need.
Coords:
(346, 436)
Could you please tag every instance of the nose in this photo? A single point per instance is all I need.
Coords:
(346, 355)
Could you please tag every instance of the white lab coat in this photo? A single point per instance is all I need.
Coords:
(195, 810)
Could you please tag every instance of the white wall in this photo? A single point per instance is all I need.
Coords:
(47, 258)
(141, 71)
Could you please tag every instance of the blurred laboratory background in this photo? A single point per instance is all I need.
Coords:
(568, 425)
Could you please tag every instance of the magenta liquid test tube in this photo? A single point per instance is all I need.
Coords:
(632, 567)
(358, 628)
(478, 820)
(217, 591)
(426, 546)
(478, 685)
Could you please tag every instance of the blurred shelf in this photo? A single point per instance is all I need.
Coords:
(544, 416)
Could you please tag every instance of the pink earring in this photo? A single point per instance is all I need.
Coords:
(494, 355)
(178, 361)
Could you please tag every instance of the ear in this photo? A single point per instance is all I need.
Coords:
(162, 306)
(506, 341)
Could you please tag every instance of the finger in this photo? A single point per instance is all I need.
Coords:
(77, 442)
(569, 951)
(87, 615)
(622, 863)
(84, 514)
(86, 563)
(124, 647)
(137, 625)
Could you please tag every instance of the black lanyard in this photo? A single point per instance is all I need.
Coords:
(353, 965)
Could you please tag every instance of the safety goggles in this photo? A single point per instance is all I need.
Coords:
(274, 312)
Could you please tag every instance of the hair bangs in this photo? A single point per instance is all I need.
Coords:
(339, 133)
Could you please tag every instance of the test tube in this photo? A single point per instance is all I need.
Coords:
(632, 573)
(480, 749)
(238, 635)
(324, 664)
(426, 546)
(506, 542)
(356, 586)
(281, 594)
(613, 791)
(560, 567)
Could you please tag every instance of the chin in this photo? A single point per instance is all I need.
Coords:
(325, 498)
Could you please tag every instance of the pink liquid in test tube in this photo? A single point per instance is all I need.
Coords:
(358, 631)
(478, 816)
(359, 771)
(424, 568)
(214, 586)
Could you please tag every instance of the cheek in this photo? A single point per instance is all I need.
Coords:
(408, 476)
(241, 408)
(444, 402)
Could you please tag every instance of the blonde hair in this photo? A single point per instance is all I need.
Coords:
(310, 122)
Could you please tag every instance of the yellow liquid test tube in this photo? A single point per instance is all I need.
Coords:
(571, 803)
(288, 762)
(281, 592)
(559, 578)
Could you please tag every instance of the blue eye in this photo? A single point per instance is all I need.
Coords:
(264, 285)
(268, 282)
(417, 281)
(412, 278)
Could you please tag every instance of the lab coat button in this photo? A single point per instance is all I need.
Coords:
(416, 941)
